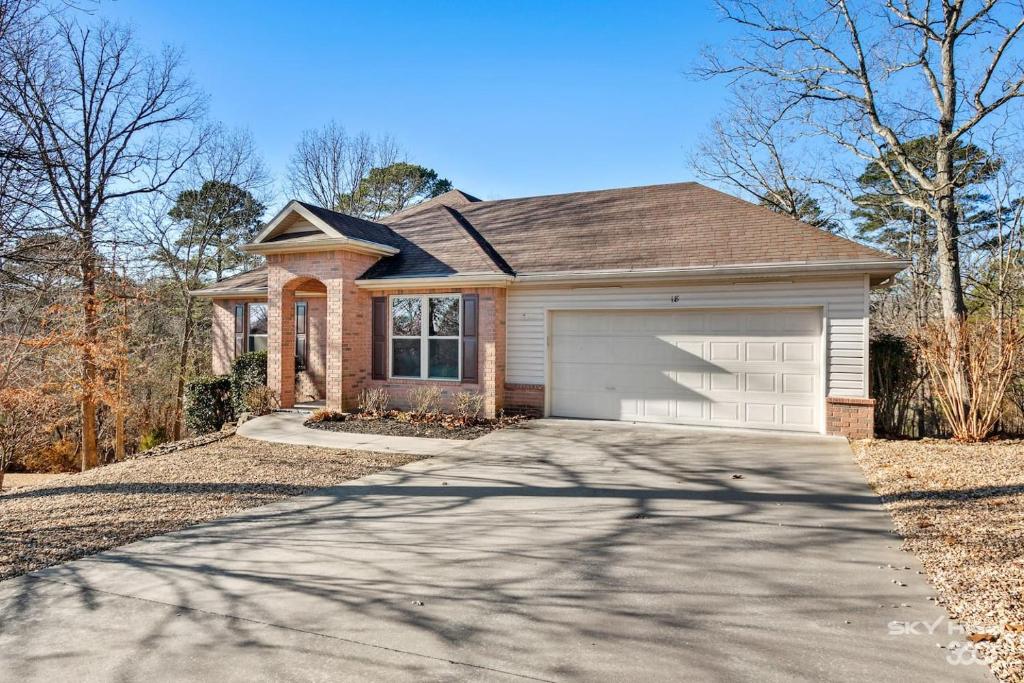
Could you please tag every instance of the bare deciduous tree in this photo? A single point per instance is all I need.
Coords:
(853, 70)
(329, 164)
(20, 189)
(189, 251)
(754, 149)
(104, 122)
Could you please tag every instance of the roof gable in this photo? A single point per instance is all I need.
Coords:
(299, 223)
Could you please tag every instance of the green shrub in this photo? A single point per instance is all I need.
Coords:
(248, 372)
(153, 438)
(895, 381)
(208, 404)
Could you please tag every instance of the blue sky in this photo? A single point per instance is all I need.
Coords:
(505, 99)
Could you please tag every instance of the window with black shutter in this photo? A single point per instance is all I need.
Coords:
(470, 336)
(239, 329)
(301, 336)
(379, 335)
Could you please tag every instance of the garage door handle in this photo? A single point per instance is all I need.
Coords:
(609, 388)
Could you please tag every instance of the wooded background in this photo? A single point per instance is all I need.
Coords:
(897, 123)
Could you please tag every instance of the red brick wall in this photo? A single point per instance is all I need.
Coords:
(347, 322)
(311, 384)
(336, 270)
(223, 333)
(491, 356)
(524, 399)
(853, 418)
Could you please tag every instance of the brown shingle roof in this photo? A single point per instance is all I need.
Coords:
(444, 244)
(684, 225)
(252, 282)
(453, 198)
(659, 226)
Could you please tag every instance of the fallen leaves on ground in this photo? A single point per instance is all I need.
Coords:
(79, 514)
(960, 509)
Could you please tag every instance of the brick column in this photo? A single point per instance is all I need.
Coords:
(280, 337)
(492, 349)
(286, 393)
(274, 333)
(335, 309)
(851, 417)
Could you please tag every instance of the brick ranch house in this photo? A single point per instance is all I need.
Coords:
(668, 303)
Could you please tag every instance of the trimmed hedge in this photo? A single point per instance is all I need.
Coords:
(247, 372)
(208, 404)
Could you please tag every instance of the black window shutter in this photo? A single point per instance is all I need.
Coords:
(470, 334)
(379, 334)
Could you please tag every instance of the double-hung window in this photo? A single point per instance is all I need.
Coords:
(257, 327)
(425, 336)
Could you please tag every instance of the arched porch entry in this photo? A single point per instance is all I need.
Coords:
(303, 342)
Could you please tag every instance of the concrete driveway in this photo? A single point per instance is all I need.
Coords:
(561, 551)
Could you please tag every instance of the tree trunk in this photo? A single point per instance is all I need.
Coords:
(119, 434)
(90, 332)
(122, 370)
(951, 288)
(183, 349)
(947, 228)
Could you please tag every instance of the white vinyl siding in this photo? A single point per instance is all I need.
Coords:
(844, 303)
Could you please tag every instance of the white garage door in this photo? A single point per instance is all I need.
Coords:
(730, 368)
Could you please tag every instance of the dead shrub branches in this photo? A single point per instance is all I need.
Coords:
(970, 366)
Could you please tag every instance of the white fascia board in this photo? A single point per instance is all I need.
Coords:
(879, 268)
(233, 294)
(325, 244)
(464, 280)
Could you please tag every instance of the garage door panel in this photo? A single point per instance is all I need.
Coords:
(761, 412)
(724, 351)
(725, 382)
(793, 383)
(760, 382)
(798, 416)
(730, 367)
(761, 352)
(798, 352)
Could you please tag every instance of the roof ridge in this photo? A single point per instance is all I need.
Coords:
(582, 192)
(315, 208)
(431, 202)
(472, 234)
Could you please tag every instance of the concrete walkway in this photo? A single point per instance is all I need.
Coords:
(288, 427)
(559, 551)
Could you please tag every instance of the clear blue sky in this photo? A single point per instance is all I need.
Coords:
(504, 98)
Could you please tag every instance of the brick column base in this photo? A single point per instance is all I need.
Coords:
(524, 399)
(853, 418)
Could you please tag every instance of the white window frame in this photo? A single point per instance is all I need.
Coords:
(249, 336)
(424, 335)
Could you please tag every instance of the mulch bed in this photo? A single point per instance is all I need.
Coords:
(79, 514)
(390, 426)
(960, 509)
